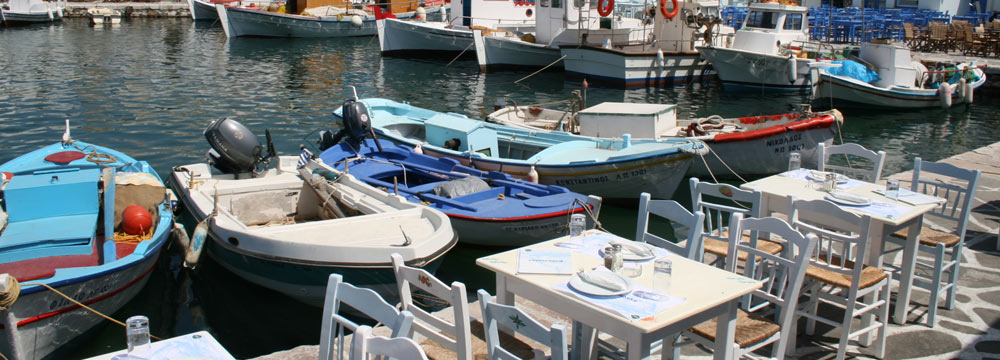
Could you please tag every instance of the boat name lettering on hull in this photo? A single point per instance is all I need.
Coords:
(582, 181)
(535, 228)
(82, 295)
(788, 143)
(631, 174)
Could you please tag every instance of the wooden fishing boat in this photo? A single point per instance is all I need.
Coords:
(202, 10)
(288, 226)
(26, 12)
(324, 21)
(744, 146)
(486, 208)
(609, 168)
(452, 35)
(62, 229)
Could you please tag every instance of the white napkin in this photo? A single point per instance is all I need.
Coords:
(604, 279)
(635, 248)
(846, 196)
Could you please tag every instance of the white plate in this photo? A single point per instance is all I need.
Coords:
(861, 201)
(821, 176)
(629, 256)
(576, 283)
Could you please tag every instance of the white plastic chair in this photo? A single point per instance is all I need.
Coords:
(498, 316)
(364, 301)
(366, 344)
(782, 276)
(958, 187)
(852, 151)
(676, 214)
(459, 335)
(718, 201)
(837, 274)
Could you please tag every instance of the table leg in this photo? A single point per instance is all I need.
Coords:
(907, 268)
(503, 296)
(725, 332)
(637, 349)
(583, 342)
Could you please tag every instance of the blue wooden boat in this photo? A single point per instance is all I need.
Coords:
(63, 205)
(485, 208)
(606, 167)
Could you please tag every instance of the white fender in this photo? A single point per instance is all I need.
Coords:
(968, 92)
(944, 94)
(961, 90)
(180, 236)
(533, 175)
(421, 14)
(196, 245)
(793, 69)
(356, 21)
(660, 62)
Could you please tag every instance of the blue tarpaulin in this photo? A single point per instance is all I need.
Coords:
(854, 70)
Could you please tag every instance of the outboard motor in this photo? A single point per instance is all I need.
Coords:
(357, 126)
(235, 149)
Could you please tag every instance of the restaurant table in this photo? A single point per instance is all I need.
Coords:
(198, 345)
(708, 292)
(777, 188)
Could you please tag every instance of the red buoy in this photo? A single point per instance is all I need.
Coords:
(136, 220)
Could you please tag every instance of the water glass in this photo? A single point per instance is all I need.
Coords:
(137, 334)
(892, 189)
(662, 269)
(794, 161)
(577, 223)
(632, 270)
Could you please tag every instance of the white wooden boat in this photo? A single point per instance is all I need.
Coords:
(764, 50)
(333, 22)
(902, 83)
(288, 234)
(100, 16)
(452, 36)
(562, 23)
(747, 146)
(202, 10)
(24, 12)
(668, 57)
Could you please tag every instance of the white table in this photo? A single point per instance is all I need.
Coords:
(709, 292)
(199, 345)
(776, 189)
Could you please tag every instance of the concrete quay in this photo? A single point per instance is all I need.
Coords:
(969, 331)
(132, 9)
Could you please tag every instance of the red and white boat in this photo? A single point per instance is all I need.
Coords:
(744, 146)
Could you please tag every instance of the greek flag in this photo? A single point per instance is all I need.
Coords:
(305, 157)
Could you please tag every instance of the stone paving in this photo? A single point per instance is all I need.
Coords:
(969, 331)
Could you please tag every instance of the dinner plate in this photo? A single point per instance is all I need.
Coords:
(821, 176)
(629, 256)
(576, 283)
(848, 199)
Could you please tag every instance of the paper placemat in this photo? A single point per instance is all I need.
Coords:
(544, 261)
(641, 303)
(914, 198)
(594, 241)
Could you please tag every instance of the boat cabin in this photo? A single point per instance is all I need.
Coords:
(502, 15)
(643, 121)
(770, 25)
(893, 64)
(460, 134)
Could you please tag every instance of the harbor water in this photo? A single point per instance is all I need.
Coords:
(150, 86)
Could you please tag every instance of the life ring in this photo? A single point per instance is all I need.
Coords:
(606, 10)
(663, 9)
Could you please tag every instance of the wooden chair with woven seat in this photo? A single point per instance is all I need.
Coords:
(365, 344)
(717, 202)
(857, 161)
(690, 245)
(363, 302)
(497, 317)
(958, 187)
(834, 276)
(911, 38)
(455, 335)
(770, 319)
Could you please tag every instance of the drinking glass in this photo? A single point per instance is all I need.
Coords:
(892, 189)
(794, 161)
(577, 223)
(830, 182)
(137, 334)
(662, 269)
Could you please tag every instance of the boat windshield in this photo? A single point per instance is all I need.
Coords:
(762, 20)
(793, 22)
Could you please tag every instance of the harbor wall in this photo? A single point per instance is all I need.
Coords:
(132, 9)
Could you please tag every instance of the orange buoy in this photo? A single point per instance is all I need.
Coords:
(669, 14)
(136, 220)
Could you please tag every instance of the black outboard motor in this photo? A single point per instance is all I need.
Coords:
(235, 149)
(357, 126)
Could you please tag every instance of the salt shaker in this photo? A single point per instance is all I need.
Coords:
(619, 260)
(830, 182)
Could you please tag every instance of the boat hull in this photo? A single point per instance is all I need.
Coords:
(401, 38)
(846, 91)
(202, 10)
(751, 69)
(36, 17)
(764, 155)
(498, 53)
(633, 69)
(245, 22)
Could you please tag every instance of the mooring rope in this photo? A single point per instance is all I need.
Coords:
(460, 54)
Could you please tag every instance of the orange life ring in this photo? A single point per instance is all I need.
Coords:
(663, 9)
(606, 10)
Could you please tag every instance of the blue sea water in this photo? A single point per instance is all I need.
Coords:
(149, 86)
